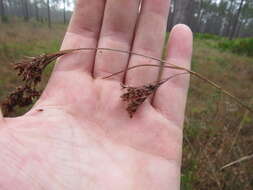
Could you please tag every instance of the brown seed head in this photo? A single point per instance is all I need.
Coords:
(31, 68)
(135, 96)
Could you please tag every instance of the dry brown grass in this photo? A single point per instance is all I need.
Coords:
(218, 131)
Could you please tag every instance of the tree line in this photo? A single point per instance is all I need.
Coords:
(228, 18)
(41, 10)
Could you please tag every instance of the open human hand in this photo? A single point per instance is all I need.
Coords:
(79, 135)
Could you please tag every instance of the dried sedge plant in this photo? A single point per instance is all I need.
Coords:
(135, 96)
(31, 71)
(22, 96)
(32, 67)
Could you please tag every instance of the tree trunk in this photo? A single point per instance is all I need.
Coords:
(190, 15)
(170, 22)
(199, 17)
(36, 10)
(64, 11)
(235, 21)
(241, 25)
(3, 16)
(238, 29)
(170, 17)
(181, 13)
(25, 10)
(48, 14)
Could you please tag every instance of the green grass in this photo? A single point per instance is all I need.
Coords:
(240, 46)
(212, 119)
(24, 39)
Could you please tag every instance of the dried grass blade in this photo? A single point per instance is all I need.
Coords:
(245, 158)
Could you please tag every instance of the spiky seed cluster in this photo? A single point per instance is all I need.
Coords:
(30, 70)
(22, 96)
(135, 96)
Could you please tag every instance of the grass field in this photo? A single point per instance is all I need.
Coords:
(217, 130)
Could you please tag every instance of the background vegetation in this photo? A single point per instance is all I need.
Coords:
(217, 130)
(228, 18)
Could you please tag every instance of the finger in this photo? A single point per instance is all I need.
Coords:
(117, 33)
(72, 72)
(149, 40)
(170, 98)
(82, 32)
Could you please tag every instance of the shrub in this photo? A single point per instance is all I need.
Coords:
(239, 46)
(205, 36)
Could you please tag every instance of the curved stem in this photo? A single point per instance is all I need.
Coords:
(166, 65)
(194, 74)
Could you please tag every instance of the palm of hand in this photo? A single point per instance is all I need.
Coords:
(79, 135)
(74, 144)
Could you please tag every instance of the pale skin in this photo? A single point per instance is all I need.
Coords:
(79, 135)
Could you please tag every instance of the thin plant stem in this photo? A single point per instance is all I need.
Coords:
(46, 59)
(164, 65)
(241, 125)
(192, 73)
(245, 158)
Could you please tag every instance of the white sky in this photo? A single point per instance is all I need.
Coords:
(68, 7)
